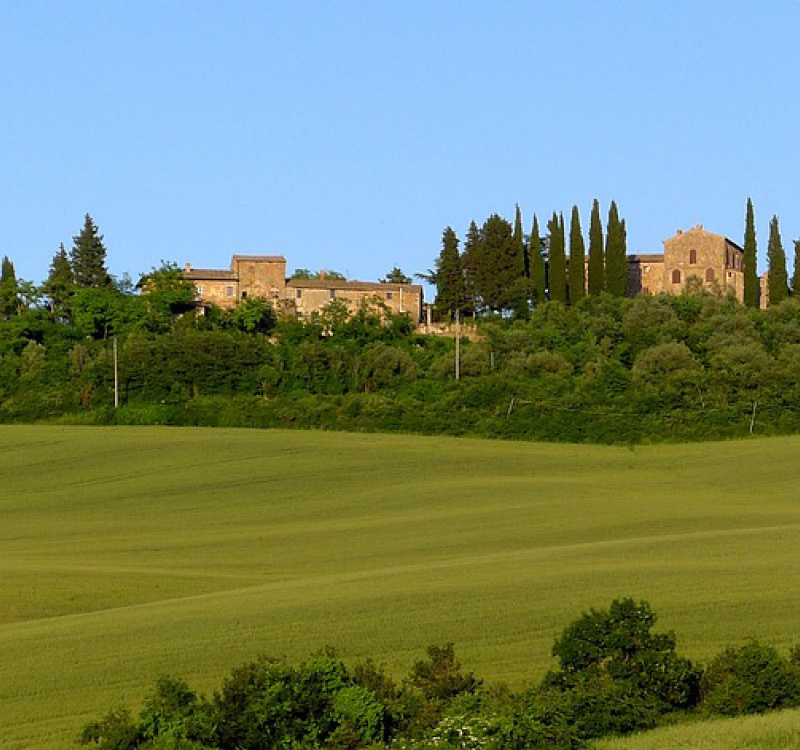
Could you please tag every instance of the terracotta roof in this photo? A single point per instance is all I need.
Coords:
(209, 274)
(356, 286)
(267, 258)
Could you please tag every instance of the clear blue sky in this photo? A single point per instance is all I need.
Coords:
(349, 134)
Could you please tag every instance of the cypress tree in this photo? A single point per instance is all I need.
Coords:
(616, 272)
(796, 274)
(518, 245)
(751, 287)
(450, 289)
(596, 272)
(577, 260)
(88, 257)
(557, 260)
(776, 259)
(538, 276)
(9, 301)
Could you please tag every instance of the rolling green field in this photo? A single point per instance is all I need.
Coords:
(126, 553)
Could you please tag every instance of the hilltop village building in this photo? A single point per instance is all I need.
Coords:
(692, 261)
(265, 276)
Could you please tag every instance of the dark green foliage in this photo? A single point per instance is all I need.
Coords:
(751, 679)
(538, 278)
(88, 257)
(396, 276)
(60, 282)
(325, 273)
(577, 260)
(557, 265)
(776, 262)
(501, 264)
(751, 287)
(617, 645)
(616, 267)
(252, 315)
(451, 292)
(796, 272)
(596, 270)
(439, 677)
(9, 297)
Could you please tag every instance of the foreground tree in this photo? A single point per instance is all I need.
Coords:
(776, 260)
(750, 273)
(88, 257)
(577, 260)
(596, 272)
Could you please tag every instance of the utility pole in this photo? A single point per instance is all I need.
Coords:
(116, 375)
(458, 345)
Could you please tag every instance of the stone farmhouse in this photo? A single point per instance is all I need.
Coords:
(695, 259)
(265, 276)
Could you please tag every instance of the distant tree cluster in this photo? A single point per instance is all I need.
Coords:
(502, 270)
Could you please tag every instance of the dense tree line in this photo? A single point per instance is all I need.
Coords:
(614, 676)
(499, 270)
(602, 369)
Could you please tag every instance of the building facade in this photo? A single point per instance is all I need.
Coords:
(265, 276)
(692, 261)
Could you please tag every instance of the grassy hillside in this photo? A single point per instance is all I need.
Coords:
(129, 552)
(777, 731)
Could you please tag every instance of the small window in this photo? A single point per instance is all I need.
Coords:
(645, 291)
(199, 290)
(299, 294)
(709, 274)
(692, 258)
(229, 291)
(244, 294)
(676, 276)
(332, 293)
(389, 295)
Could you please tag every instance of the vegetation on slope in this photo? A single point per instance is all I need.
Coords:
(127, 553)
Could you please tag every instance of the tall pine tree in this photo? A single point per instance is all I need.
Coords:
(751, 286)
(616, 271)
(451, 293)
(557, 261)
(538, 276)
(776, 259)
(596, 271)
(88, 257)
(577, 260)
(60, 281)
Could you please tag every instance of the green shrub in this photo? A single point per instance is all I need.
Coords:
(750, 679)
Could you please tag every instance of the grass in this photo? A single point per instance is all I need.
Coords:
(776, 731)
(126, 553)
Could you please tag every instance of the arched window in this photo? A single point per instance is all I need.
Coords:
(692, 257)
(709, 274)
(676, 276)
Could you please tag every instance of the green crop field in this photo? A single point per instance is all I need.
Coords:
(775, 731)
(126, 553)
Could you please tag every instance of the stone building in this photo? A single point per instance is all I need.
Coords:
(695, 259)
(265, 276)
